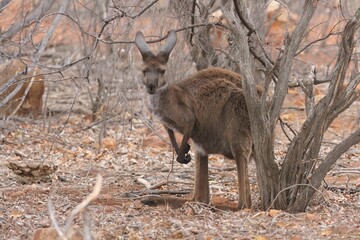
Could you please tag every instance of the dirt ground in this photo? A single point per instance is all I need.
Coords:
(135, 163)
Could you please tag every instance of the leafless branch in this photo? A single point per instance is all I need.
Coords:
(255, 45)
(33, 16)
(4, 4)
(54, 223)
(333, 156)
(288, 188)
(317, 40)
(282, 124)
(51, 30)
(286, 59)
(244, 20)
(308, 141)
(142, 11)
(36, 58)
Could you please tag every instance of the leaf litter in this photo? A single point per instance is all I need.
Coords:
(133, 167)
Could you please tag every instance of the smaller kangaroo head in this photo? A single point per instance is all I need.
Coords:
(155, 65)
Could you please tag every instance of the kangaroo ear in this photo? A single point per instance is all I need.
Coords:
(165, 51)
(143, 47)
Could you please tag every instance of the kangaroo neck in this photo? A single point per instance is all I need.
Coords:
(158, 99)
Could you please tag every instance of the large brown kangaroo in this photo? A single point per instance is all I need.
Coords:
(207, 107)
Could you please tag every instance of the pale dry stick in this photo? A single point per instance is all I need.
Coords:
(312, 169)
(81, 207)
(151, 193)
(167, 182)
(53, 219)
(148, 185)
(144, 182)
(171, 168)
(354, 171)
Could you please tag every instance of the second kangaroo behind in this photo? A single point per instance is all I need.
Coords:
(208, 107)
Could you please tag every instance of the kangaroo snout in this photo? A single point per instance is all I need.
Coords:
(151, 88)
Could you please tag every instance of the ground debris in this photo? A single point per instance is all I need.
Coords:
(30, 171)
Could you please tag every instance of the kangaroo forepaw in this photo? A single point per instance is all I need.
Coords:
(187, 148)
(187, 158)
(184, 159)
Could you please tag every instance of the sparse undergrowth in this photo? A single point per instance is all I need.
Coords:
(127, 166)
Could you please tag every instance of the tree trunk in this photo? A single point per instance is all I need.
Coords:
(298, 173)
(291, 187)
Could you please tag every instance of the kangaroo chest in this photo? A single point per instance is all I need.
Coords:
(162, 109)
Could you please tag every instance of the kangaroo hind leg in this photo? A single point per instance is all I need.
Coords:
(241, 152)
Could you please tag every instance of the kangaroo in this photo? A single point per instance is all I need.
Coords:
(25, 101)
(209, 108)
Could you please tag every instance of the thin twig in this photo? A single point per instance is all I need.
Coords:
(246, 23)
(317, 40)
(80, 207)
(149, 192)
(290, 187)
(52, 217)
(282, 124)
(33, 16)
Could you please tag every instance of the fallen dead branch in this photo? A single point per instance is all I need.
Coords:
(160, 184)
(139, 194)
(67, 230)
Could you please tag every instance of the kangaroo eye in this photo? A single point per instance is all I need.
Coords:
(145, 71)
(161, 71)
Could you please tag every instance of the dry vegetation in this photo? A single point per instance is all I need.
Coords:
(95, 122)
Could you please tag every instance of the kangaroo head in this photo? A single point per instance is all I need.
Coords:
(155, 65)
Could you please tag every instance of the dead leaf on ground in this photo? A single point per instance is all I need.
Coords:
(16, 214)
(260, 237)
(326, 232)
(274, 212)
(109, 143)
(312, 217)
(288, 225)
